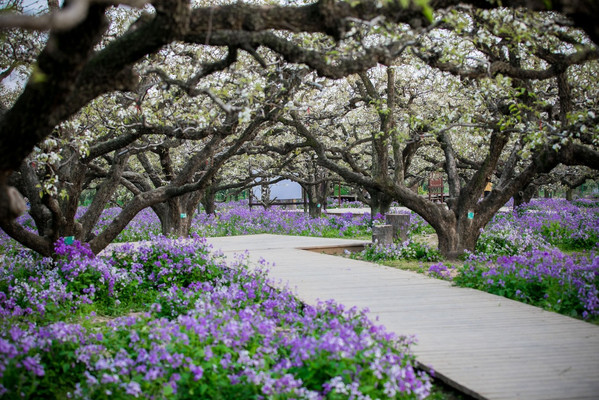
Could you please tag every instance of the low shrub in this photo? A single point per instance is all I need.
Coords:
(408, 250)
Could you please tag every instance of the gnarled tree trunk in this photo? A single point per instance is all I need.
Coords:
(460, 237)
(380, 203)
(208, 201)
(175, 223)
(176, 214)
(524, 196)
(317, 198)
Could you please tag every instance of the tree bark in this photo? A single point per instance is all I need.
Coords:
(524, 196)
(455, 241)
(177, 213)
(382, 235)
(317, 197)
(401, 225)
(176, 222)
(209, 201)
(43, 245)
(380, 203)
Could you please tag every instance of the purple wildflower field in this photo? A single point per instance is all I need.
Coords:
(236, 218)
(543, 224)
(173, 320)
(233, 218)
(545, 254)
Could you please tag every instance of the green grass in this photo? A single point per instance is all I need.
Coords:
(409, 265)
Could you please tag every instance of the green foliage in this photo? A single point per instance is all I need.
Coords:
(227, 335)
(550, 280)
(562, 237)
(421, 229)
(421, 251)
(406, 251)
(496, 244)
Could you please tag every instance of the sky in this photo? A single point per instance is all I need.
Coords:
(31, 7)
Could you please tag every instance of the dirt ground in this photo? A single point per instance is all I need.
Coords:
(430, 240)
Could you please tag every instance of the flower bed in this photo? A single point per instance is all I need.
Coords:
(568, 284)
(177, 322)
(548, 222)
(518, 256)
(242, 221)
(409, 250)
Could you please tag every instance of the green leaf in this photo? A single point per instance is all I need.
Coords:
(37, 75)
(427, 11)
(167, 390)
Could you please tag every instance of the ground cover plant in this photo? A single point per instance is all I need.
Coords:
(240, 220)
(131, 324)
(334, 203)
(412, 249)
(553, 280)
(570, 226)
(409, 250)
(178, 322)
(544, 253)
(231, 219)
(543, 224)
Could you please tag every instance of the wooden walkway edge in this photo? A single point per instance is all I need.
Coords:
(487, 346)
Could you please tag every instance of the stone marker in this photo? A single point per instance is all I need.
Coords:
(401, 225)
(383, 234)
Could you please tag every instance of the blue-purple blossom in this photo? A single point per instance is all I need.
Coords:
(212, 327)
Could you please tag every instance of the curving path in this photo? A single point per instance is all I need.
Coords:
(487, 346)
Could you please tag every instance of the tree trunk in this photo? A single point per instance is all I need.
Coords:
(209, 201)
(176, 224)
(401, 225)
(314, 210)
(455, 240)
(41, 244)
(317, 197)
(570, 194)
(524, 196)
(380, 203)
(382, 235)
(176, 214)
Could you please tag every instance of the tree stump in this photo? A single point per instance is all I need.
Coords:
(382, 234)
(401, 225)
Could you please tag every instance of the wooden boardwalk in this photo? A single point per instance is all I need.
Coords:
(487, 346)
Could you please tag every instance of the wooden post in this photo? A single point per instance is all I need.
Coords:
(382, 234)
(401, 225)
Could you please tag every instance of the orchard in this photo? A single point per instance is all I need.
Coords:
(124, 124)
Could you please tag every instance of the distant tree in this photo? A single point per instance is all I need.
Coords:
(83, 60)
(515, 126)
(80, 63)
(278, 156)
(174, 164)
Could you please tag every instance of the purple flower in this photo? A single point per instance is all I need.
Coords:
(32, 364)
(133, 389)
(197, 372)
